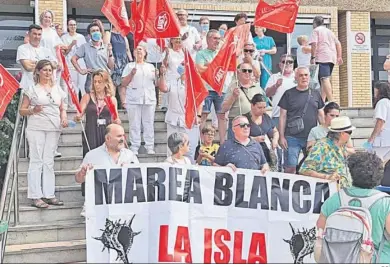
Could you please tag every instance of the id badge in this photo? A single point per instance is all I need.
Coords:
(101, 122)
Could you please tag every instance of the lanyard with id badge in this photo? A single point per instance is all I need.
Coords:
(100, 121)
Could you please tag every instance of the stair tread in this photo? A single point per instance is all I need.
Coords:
(47, 225)
(67, 205)
(52, 246)
(64, 158)
(59, 188)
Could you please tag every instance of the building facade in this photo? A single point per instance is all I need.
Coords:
(363, 28)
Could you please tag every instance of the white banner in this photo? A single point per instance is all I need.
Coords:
(152, 213)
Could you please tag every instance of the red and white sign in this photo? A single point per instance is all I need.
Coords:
(360, 42)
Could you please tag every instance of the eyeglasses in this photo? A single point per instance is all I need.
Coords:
(243, 125)
(246, 70)
(50, 98)
(348, 132)
(248, 51)
(289, 62)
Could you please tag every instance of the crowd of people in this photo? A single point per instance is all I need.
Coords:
(265, 120)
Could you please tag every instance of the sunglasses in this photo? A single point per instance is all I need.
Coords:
(246, 70)
(287, 62)
(243, 125)
(248, 51)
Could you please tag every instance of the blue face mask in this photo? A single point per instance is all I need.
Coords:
(96, 36)
(180, 69)
(222, 32)
(205, 27)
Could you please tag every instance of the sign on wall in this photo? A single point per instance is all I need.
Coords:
(153, 213)
(360, 42)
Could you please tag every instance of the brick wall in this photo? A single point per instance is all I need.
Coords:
(54, 5)
(343, 68)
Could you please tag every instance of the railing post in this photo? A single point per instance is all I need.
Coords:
(16, 193)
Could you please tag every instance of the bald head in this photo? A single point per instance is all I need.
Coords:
(115, 137)
(113, 128)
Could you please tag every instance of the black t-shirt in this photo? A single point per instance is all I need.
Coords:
(294, 100)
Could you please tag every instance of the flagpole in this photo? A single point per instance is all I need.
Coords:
(85, 135)
(288, 52)
(239, 100)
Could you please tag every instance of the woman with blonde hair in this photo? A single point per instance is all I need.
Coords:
(43, 104)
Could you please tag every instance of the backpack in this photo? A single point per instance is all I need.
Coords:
(347, 237)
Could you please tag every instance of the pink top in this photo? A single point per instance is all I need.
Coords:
(326, 45)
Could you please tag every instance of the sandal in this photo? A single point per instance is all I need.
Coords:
(53, 201)
(39, 203)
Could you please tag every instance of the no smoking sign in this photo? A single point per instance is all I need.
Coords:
(360, 42)
(360, 38)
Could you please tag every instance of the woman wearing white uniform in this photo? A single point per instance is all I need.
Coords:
(380, 137)
(139, 97)
(175, 116)
(44, 105)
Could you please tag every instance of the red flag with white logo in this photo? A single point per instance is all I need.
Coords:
(8, 87)
(280, 17)
(215, 74)
(196, 91)
(115, 12)
(136, 23)
(160, 20)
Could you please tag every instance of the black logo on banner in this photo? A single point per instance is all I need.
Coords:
(301, 243)
(119, 237)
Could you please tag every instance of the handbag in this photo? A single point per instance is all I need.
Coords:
(296, 125)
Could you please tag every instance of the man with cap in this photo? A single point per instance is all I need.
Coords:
(327, 159)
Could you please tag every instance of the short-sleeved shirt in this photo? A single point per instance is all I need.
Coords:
(382, 111)
(267, 43)
(294, 100)
(67, 39)
(50, 39)
(193, 38)
(49, 118)
(317, 133)
(249, 157)
(175, 58)
(246, 95)
(326, 45)
(288, 83)
(27, 51)
(326, 157)
(100, 157)
(205, 56)
(141, 89)
(210, 150)
(95, 58)
(379, 213)
(176, 103)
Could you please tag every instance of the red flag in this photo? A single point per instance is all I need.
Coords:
(115, 12)
(196, 92)
(159, 18)
(238, 34)
(68, 80)
(280, 17)
(111, 107)
(137, 24)
(215, 74)
(8, 87)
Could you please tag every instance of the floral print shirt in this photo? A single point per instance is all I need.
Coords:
(326, 157)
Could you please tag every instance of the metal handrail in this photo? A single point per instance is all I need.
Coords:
(11, 176)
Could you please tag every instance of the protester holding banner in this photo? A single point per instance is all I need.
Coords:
(179, 145)
(242, 151)
(327, 158)
(380, 136)
(331, 111)
(262, 128)
(239, 95)
(139, 79)
(266, 47)
(44, 105)
(367, 172)
(300, 108)
(175, 115)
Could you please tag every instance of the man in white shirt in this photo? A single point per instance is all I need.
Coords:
(30, 53)
(111, 154)
(74, 40)
(190, 36)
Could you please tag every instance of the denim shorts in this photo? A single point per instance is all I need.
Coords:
(325, 70)
(213, 97)
(295, 146)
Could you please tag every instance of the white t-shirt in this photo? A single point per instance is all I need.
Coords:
(50, 39)
(27, 51)
(302, 58)
(141, 89)
(67, 39)
(175, 58)
(155, 54)
(193, 38)
(382, 111)
(288, 83)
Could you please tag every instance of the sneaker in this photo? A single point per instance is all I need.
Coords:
(57, 154)
(150, 152)
(82, 213)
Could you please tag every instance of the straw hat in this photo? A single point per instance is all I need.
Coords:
(341, 124)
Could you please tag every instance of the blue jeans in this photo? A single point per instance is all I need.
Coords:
(213, 98)
(291, 155)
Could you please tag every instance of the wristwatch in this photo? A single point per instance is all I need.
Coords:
(313, 57)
